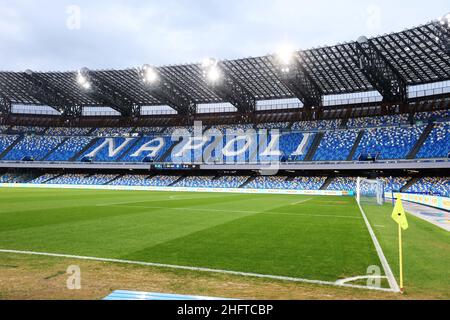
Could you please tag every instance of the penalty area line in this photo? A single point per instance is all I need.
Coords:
(338, 283)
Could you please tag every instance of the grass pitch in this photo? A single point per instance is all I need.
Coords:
(310, 237)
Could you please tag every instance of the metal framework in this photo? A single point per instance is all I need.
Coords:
(300, 82)
(387, 63)
(167, 91)
(231, 90)
(380, 73)
(51, 96)
(5, 105)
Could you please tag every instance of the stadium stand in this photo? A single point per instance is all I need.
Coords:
(343, 184)
(438, 143)
(84, 179)
(35, 147)
(212, 182)
(336, 145)
(382, 121)
(395, 184)
(438, 186)
(67, 131)
(316, 125)
(389, 142)
(71, 147)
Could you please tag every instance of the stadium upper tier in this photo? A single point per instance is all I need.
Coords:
(386, 64)
(383, 138)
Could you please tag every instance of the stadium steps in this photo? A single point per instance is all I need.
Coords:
(11, 146)
(327, 183)
(83, 151)
(55, 177)
(178, 180)
(54, 149)
(312, 150)
(127, 150)
(113, 179)
(409, 184)
(425, 134)
(344, 123)
(249, 180)
(169, 151)
(355, 145)
(91, 131)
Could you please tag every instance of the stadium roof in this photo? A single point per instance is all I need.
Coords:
(387, 63)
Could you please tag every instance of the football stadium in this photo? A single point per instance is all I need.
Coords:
(269, 177)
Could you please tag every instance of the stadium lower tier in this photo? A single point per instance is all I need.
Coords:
(438, 186)
(380, 138)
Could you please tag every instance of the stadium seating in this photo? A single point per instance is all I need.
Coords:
(211, 182)
(24, 129)
(67, 131)
(343, 184)
(112, 132)
(389, 136)
(6, 178)
(432, 186)
(44, 178)
(275, 125)
(277, 182)
(83, 179)
(36, 147)
(316, 125)
(432, 115)
(6, 141)
(394, 184)
(336, 145)
(437, 144)
(71, 147)
(382, 121)
(144, 180)
(389, 142)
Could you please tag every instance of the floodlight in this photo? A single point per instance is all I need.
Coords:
(211, 70)
(213, 73)
(149, 74)
(285, 54)
(208, 62)
(83, 80)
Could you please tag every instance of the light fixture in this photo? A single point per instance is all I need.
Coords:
(285, 55)
(82, 80)
(149, 75)
(211, 70)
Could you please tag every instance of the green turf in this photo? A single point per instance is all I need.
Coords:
(426, 251)
(322, 238)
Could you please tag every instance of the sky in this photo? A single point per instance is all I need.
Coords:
(61, 35)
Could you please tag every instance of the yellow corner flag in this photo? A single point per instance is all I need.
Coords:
(399, 216)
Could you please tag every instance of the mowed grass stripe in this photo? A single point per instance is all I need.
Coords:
(265, 242)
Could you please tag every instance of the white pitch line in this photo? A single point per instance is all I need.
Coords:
(238, 211)
(170, 266)
(387, 268)
(344, 281)
(299, 202)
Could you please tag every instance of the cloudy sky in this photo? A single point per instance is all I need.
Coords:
(68, 34)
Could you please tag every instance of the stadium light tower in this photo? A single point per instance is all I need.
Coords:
(149, 75)
(285, 57)
(83, 79)
(211, 70)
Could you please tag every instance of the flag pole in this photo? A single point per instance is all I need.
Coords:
(400, 249)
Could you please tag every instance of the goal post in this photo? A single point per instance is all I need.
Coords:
(369, 191)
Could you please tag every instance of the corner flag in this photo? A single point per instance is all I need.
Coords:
(399, 216)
